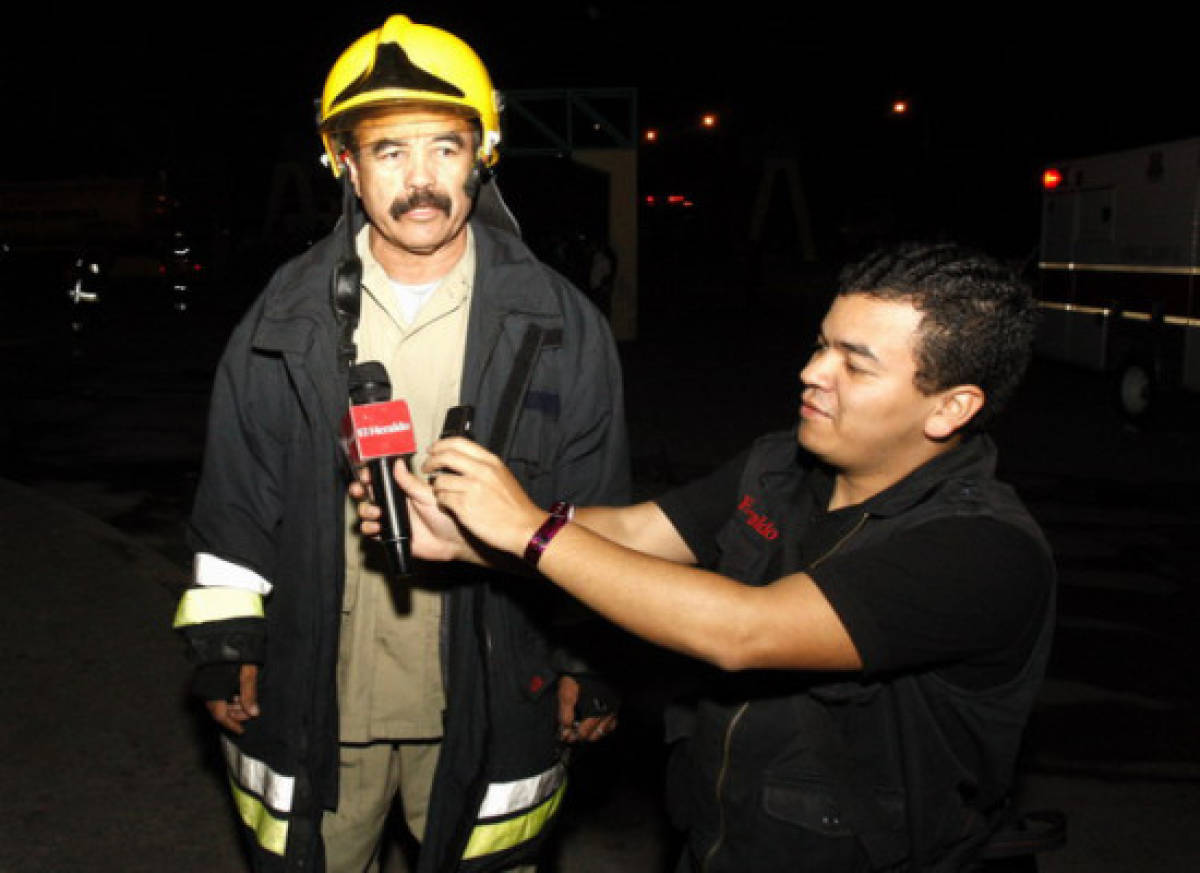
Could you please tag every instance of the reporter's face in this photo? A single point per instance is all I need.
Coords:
(860, 410)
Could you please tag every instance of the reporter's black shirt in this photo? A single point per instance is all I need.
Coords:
(962, 596)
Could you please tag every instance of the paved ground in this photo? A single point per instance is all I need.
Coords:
(107, 767)
(104, 766)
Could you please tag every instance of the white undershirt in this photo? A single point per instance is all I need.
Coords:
(410, 298)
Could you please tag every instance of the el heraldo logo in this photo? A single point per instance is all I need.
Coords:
(757, 521)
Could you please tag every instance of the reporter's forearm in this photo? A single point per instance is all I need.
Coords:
(607, 521)
(642, 527)
(788, 623)
(679, 607)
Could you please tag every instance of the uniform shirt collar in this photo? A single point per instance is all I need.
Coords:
(453, 289)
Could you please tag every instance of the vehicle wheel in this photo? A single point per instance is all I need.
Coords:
(1136, 389)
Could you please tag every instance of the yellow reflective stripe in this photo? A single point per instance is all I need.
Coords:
(486, 839)
(269, 831)
(199, 605)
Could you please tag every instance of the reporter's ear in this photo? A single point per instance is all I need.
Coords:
(956, 407)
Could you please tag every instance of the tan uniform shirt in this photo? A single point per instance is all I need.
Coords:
(389, 671)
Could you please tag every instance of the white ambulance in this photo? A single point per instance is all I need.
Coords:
(1118, 268)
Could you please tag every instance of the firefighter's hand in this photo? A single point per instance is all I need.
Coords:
(368, 513)
(243, 706)
(436, 535)
(572, 729)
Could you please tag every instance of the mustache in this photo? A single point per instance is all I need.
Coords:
(418, 199)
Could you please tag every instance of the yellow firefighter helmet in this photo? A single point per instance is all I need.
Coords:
(403, 63)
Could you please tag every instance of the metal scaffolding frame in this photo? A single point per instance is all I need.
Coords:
(563, 119)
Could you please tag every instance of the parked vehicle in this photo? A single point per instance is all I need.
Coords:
(1118, 267)
(111, 245)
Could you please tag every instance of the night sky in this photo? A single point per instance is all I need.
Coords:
(224, 91)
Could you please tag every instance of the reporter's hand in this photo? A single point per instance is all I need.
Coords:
(484, 497)
(436, 535)
(231, 714)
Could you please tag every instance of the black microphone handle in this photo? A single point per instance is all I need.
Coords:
(390, 498)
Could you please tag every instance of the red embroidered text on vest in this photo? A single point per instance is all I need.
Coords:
(761, 525)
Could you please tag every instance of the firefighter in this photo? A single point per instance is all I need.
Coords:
(339, 688)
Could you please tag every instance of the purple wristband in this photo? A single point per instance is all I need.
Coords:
(560, 513)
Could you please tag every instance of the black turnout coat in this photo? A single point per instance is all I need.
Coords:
(271, 499)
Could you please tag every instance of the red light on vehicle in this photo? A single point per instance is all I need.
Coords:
(675, 199)
(1051, 179)
(651, 200)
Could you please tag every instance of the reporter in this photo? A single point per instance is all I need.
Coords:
(885, 602)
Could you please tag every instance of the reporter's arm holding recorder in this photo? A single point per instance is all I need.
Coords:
(629, 564)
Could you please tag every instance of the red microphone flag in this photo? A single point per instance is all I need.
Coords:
(378, 430)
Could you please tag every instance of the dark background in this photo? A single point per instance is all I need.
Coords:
(215, 94)
(110, 418)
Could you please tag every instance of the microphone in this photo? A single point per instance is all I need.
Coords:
(377, 431)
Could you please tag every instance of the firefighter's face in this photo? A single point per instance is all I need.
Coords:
(411, 170)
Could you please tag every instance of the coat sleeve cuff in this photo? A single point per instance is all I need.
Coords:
(237, 641)
(216, 681)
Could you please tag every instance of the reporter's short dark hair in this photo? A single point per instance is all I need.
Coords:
(978, 316)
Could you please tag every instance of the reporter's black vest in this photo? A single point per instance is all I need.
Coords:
(796, 771)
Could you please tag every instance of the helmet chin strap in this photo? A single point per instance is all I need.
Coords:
(490, 209)
(346, 292)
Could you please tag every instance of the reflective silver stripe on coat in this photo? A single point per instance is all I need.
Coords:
(270, 830)
(209, 570)
(256, 777)
(505, 798)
